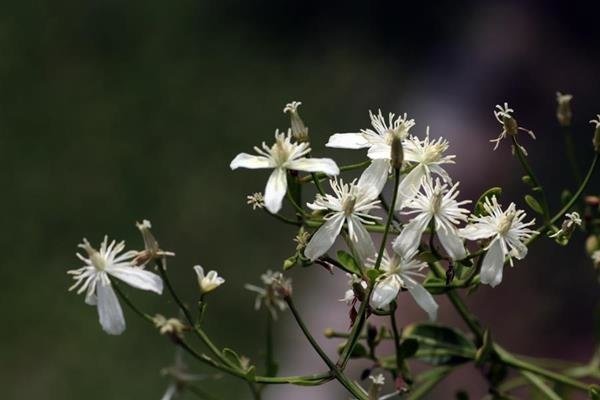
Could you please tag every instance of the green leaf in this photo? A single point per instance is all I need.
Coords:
(439, 345)
(527, 180)
(486, 350)
(233, 357)
(545, 390)
(373, 274)
(565, 197)
(359, 351)
(495, 191)
(251, 373)
(290, 263)
(408, 348)
(348, 262)
(533, 204)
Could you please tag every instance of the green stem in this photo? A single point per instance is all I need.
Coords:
(294, 203)
(124, 297)
(356, 330)
(283, 219)
(571, 202)
(390, 217)
(351, 387)
(525, 164)
(401, 365)
(317, 184)
(570, 150)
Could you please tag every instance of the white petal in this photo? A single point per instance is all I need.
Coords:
(275, 190)
(409, 186)
(138, 278)
(199, 271)
(519, 250)
(363, 243)
(324, 237)
(347, 141)
(245, 160)
(171, 392)
(380, 151)
(425, 300)
(325, 165)
(477, 231)
(385, 291)
(373, 179)
(452, 243)
(410, 237)
(491, 267)
(109, 310)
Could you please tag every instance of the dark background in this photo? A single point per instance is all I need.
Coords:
(114, 111)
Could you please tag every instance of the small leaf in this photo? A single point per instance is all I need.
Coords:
(439, 345)
(495, 191)
(373, 274)
(290, 263)
(486, 350)
(348, 262)
(251, 373)
(533, 204)
(527, 180)
(233, 357)
(359, 351)
(408, 348)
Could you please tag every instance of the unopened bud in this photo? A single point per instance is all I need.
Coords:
(397, 155)
(172, 327)
(592, 201)
(563, 110)
(299, 130)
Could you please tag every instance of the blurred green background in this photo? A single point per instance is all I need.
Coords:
(111, 112)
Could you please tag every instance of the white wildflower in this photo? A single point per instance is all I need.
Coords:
(564, 114)
(282, 156)
(350, 295)
(256, 200)
(351, 203)
(507, 232)
(437, 203)
(428, 158)
(509, 125)
(571, 221)
(93, 278)
(209, 282)
(170, 326)
(268, 295)
(378, 141)
(400, 272)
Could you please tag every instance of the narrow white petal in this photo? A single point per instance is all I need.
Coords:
(409, 186)
(410, 237)
(138, 278)
(199, 271)
(425, 300)
(275, 190)
(380, 151)
(109, 310)
(324, 237)
(373, 179)
(347, 141)
(171, 392)
(384, 292)
(452, 243)
(477, 231)
(325, 165)
(364, 243)
(491, 267)
(245, 160)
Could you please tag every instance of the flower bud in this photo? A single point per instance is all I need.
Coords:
(397, 155)
(299, 130)
(151, 250)
(171, 327)
(563, 110)
(209, 282)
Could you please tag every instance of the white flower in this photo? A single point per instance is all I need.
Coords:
(563, 111)
(377, 380)
(596, 122)
(378, 140)
(507, 232)
(208, 282)
(509, 125)
(93, 278)
(571, 220)
(282, 156)
(400, 272)
(351, 204)
(256, 200)
(428, 155)
(437, 203)
(269, 295)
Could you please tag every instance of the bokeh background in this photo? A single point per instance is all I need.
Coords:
(115, 111)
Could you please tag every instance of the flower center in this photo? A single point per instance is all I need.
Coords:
(506, 222)
(349, 205)
(279, 152)
(436, 201)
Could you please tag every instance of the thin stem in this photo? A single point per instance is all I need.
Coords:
(356, 331)
(317, 184)
(571, 202)
(525, 164)
(390, 217)
(351, 387)
(254, 390)
(283, 219)
(270, 363)
(294, 203)
(124, 297)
